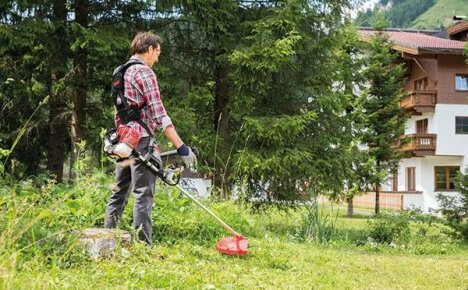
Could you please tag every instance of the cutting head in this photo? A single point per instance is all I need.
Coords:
(234, 246)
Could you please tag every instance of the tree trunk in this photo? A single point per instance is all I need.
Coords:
(350, 206)
(80, 62)
(56, 144)
(377, 199)
(221, 126)
(58, 107)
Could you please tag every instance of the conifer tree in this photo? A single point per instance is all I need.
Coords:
(384, 119)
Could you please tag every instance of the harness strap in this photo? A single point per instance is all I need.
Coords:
(126, 112)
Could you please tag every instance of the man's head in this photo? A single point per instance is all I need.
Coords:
(148, 46)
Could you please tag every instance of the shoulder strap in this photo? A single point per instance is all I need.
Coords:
(124, 110)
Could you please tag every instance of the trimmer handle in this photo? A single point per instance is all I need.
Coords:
(174, 152)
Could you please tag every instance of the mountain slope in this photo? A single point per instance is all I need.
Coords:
(440, 15)
(398, 13)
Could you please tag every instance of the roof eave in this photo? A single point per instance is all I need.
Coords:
(453, 51)
(406, 48)
(425, 50)
(458, 28)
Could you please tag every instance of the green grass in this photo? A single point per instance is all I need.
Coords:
(440, 15)
(34, 256)
(271, 264)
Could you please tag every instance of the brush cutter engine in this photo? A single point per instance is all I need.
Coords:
(114, 148)
(120, 145)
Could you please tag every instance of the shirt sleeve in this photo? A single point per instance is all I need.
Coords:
(146, 82)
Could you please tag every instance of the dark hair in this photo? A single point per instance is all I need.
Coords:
(143, 40)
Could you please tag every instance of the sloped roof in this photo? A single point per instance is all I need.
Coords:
(459, 27)
(418, 42)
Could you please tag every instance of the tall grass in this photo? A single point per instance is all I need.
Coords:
(318, 224)
(6, 153)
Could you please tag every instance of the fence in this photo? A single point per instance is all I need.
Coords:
(387, 200)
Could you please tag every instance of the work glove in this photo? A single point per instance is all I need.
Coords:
(188, 157)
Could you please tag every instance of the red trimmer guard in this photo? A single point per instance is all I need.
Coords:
(235, 246)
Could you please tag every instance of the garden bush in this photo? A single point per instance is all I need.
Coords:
(411, 231)
(390, 228)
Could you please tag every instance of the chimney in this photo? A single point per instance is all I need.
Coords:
(458, 18)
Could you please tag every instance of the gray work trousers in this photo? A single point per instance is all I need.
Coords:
(143, 181)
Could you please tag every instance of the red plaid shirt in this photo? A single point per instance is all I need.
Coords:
(141, 88)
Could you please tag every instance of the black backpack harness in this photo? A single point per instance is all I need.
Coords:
(126, 112)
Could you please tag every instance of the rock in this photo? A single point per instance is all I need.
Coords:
(103, 242)
(3, 273)
(126, 253)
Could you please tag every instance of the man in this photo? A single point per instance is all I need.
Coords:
(141, 89)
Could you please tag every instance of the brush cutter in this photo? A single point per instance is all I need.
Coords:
(236, 245)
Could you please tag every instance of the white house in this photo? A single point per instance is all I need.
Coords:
(437, 106)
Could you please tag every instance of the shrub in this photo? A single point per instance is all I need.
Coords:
(388, 228)
(413, 231)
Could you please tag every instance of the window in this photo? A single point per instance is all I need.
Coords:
(395, 181)
(461, 82)
(445, 177)
(461, 125)
(421, 126)
(410, 178)
(420, 85)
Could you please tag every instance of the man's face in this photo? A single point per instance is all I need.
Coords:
(154, 53)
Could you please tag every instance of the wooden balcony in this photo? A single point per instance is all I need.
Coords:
(419, 102)
(420, 144)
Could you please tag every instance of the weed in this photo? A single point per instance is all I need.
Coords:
(317, 224)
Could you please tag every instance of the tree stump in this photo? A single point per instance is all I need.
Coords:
(103, 242)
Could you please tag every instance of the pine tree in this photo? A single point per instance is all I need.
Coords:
(385, 120)
(295, 141)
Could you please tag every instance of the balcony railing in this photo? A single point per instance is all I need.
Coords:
(420, 101)
(420, 144)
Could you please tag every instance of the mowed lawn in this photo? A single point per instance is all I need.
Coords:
(270, 265)
(276, 260)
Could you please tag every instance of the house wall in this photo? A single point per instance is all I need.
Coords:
(428, 177)
(441, 72)
(430, 71)
(443, 124)
(410, 200)
(410, 162)
(451, 148)
(410, 126)
(449, 66)
(425, 180)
